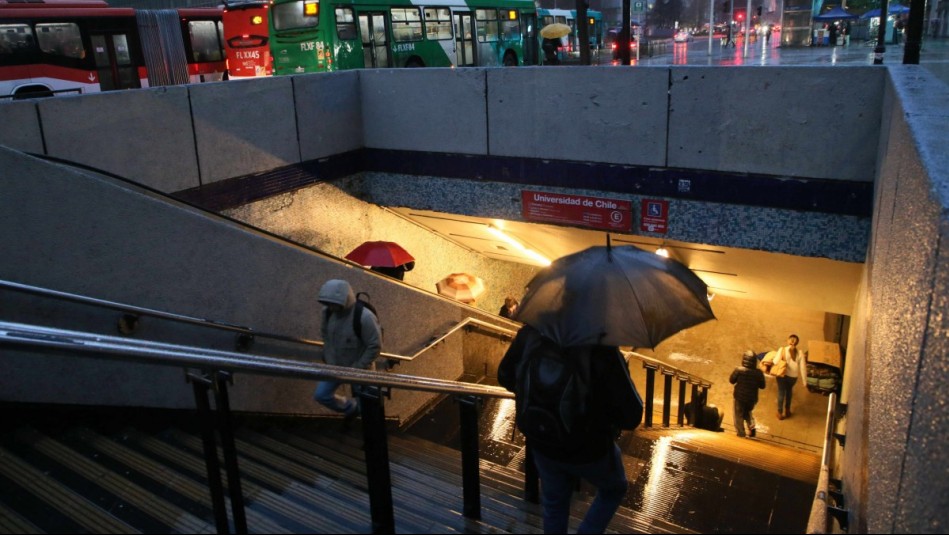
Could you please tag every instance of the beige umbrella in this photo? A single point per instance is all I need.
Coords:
(461, 286)
(554, 31)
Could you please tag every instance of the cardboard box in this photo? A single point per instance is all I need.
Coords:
(823, 352)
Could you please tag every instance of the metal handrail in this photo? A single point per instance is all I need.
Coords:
(119, 348)
(817, 522)
(665, 369)
(132, 309)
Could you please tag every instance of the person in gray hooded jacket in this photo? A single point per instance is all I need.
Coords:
(341, 345)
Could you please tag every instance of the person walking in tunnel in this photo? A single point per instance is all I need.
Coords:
(345, 343)
(748, 379)
(786, 366)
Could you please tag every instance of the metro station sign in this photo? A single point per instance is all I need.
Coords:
(577, 210)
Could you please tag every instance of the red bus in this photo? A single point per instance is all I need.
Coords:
(247, 39)
(49, 47)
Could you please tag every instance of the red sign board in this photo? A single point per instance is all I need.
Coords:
(655, 216)
(594, 212)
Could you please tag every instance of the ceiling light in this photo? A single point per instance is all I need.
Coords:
(534, 255)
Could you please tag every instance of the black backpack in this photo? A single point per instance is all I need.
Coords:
(361, 304)
(554, 397)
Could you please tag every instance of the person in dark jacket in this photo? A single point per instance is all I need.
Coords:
(615, 405)
(748, 379)
(509, 307)
(342, 346)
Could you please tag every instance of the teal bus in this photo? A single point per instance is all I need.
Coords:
(331, 35)
(571, 43)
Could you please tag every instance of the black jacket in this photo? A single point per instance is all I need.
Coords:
(616, 403)
(748, 379)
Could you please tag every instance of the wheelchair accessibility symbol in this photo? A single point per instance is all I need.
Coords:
(654, 209)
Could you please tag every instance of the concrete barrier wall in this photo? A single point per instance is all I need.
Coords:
(145, 136)
(784, 121)
(439, 110)
(763, 120)
(905, 429)
(328, 113)
(20, 127)
(66, 230)
(578, 113)
(243, 127)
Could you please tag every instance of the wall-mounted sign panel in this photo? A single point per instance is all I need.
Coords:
(577, 210)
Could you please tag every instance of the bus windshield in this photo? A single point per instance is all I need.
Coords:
(298, 14)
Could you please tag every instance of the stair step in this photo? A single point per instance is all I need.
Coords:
(62, 474)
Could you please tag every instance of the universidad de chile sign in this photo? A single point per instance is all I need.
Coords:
(577, 210)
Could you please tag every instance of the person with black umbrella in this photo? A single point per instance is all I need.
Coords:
(573, 391)
(610, 403)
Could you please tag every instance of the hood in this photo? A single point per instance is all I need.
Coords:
(748, 360)
(337, 292)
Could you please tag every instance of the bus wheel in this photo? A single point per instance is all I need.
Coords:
(414, 63)
(510, 60)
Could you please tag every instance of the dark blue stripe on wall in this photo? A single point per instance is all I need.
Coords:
(838, 197)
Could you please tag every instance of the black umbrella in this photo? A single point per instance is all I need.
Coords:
(617, 296)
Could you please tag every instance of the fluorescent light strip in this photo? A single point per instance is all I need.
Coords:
(537, 257)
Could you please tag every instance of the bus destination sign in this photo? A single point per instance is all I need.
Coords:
(593, 212)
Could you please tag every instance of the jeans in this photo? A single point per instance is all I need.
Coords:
(785, 387)
(558, 480)
(325, 394)
(742, 415)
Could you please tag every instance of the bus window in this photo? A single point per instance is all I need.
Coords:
(60, 39)
(437, 23)
(299, 14)
(205, 41)
(406, 25)
(346, 23)
(487, 25)
(16, 43)
(510, 25)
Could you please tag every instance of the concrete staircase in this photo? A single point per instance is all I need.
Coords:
(71, 470)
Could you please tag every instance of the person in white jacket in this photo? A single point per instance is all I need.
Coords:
(789, 363)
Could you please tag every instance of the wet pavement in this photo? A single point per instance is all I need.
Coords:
(704, 481)
(760, 53)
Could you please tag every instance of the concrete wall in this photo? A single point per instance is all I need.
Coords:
(903, 413)
(175, 138)
(66, 230)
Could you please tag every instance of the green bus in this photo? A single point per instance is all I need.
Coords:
(331, 35)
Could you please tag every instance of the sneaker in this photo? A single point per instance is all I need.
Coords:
(751, 433)
(780, 416)
(787, 413)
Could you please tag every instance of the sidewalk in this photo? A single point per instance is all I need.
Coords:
(934, 51)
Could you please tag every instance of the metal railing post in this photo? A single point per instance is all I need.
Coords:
(650, 392)
(666, 395)
(226, 431)
(694, 401)
(470, 408)
(376, 446)
(201, 383)
(681, 412)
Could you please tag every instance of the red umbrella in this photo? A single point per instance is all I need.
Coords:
(380, 254)
(461, 286)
